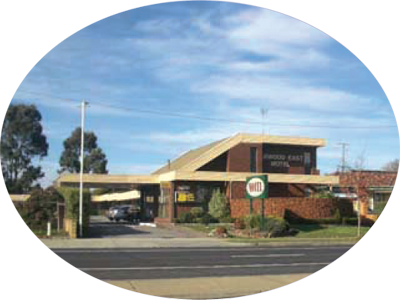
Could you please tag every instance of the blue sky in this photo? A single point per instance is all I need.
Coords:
(214, 60)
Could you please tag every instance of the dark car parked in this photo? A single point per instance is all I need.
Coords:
(127, 213)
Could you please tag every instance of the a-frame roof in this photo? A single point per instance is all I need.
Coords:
(185, 158)
(196, 158)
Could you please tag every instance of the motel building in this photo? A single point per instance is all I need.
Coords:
(189, 180)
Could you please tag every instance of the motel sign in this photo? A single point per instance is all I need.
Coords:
(257, 187)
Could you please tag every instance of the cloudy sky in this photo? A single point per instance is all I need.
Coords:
(151, 74)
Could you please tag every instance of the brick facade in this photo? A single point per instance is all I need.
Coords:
(275, 190)
(295, 207)
(239, 158)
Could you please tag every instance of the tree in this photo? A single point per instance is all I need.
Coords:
(391, 166)
(22, 140)
(218, 206)
(359, 163)
(41, 207)
(95, 160)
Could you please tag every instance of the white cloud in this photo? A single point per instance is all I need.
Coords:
(268, 32)
(282, 92)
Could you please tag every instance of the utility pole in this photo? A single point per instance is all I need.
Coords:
(83, 106)
(343, 166)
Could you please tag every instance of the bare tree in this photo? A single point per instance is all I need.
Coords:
(391, 166)
(359, 163)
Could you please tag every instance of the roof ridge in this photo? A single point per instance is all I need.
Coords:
(237, 135)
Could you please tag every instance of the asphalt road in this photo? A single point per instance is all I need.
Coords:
(125, 264)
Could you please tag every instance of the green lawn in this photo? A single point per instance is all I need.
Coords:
(54, 233)
(328, 231)
(307, 232)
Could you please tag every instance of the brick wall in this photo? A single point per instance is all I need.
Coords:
(275, 190)
(297, 207)
(239, 158)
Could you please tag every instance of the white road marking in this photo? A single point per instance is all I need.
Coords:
(267, 255)
(159, 250)
(206, 267)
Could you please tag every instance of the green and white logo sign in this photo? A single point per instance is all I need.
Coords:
(257, 187)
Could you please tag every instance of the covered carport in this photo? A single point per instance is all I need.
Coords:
(141, 190)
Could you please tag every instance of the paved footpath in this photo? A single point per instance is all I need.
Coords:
(208, 288)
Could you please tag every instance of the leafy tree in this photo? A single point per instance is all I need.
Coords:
(41, 207)
(95, 160)
(391, 166)
(218, 206)
(22, 140)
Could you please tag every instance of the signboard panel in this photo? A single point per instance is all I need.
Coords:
(184, 197)
(257, 187)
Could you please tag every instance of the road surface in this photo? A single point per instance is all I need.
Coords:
(167, 263)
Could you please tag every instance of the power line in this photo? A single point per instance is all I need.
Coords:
(210, 119)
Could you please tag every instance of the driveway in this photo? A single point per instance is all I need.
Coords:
(101, 227)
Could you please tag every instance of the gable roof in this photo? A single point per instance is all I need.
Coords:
(185, 158)
(196, 158)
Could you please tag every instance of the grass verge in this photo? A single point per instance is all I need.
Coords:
(306, 233)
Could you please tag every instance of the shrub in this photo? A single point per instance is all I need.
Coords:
(186, 217)
(324, 195)
(227, 219)
(198, 220)
(205, 219)
(253, 221)
(197, 212)
(337, 215)
(41, 207)
(239, 223)
(220, 230)
(218, 206)
(275, 227)
(71, 197)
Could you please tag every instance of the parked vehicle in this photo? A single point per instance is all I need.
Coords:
(134, 215)
(121, 213)
(127, 213)
(112, 211)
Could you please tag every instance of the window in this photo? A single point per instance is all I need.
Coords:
(253, 159)
(307, 158)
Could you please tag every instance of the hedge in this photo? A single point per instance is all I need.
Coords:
(71, 197)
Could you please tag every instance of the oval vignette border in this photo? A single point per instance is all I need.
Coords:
(368, 270)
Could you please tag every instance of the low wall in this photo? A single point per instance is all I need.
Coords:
(294, 207)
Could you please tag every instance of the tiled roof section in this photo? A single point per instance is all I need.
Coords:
(186, 158)
(368, 178)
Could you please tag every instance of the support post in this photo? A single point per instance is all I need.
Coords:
(251, 214)
(83, 106)
(262, 214)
